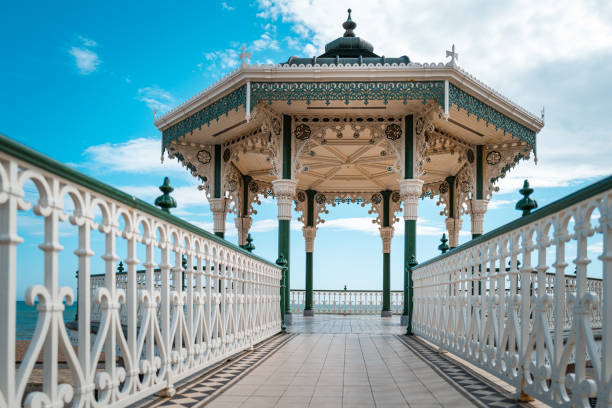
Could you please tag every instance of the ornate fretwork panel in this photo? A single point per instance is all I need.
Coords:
(320, 207)
(500, 160)
(257, 189)
(264, 139)
(198, 159)
(382, 135)
(463, 187)
(232, 187)
(423, 129)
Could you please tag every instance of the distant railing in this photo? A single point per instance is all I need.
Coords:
(548, 335)
(231, 300)
(346, 301)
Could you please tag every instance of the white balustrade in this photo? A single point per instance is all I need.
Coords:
(346, 301)
(152, 334)
(504, 303)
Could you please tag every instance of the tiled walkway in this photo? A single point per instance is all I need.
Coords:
(341, 361)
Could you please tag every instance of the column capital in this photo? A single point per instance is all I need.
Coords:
(243, 225)
(386, 233)
(218, 206)
(284, 191)
(309, 236)
(478, 208)
(453, 226)
(410, 191)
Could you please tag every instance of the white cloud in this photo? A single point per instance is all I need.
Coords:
(497, 35)
(497, 203)
(265, 42)
(226, 6)
(87, 42)
(139, 156)
(528, 51)
(156, 98)
(86, 60)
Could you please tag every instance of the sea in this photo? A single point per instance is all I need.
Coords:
(27, 316)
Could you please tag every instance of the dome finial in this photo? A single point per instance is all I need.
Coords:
(349, 25)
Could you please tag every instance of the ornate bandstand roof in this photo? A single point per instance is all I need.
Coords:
(348, 110)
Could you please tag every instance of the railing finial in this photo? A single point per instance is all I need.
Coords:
(443, 247)
(249, 245)
(165, 201)
(526, 204)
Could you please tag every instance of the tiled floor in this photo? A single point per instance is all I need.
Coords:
(343, 362)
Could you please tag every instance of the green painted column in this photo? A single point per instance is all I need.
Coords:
(309, 234)
(217, 191)
(283, 249)
(309, 280)
(410, 191)
(387, 234)
(284, 199)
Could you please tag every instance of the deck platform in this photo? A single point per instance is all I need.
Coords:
(337, 361)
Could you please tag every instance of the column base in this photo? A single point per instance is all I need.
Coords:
(404, 320)
(308, 313)
(288, 319)
(386, 313)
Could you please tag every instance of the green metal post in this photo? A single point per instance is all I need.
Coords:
(409, 252)
(480, 174)
(386, 306)
(217, 185)
(284, 225)
(282, 262)
(309, 279)
(310, 195)
(409, 225)
(409, 267)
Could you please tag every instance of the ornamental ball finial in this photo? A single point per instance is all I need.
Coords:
(349, 25)
(443, 247)
(165, 201)
(412, 262)
(281, 261)
(526, 204)
(249, 245)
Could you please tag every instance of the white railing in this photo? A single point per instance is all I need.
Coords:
(517, 328)
(232, 303)
(346, 301)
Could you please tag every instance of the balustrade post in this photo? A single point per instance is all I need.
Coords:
(604, 395)
(10, 201)
(132, 297)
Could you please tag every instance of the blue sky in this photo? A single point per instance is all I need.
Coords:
(79, 82)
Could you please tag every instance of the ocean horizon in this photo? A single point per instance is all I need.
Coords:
(27, 317)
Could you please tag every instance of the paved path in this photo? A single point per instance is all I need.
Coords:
(341, 361)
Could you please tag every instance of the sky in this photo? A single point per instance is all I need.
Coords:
(80, 82)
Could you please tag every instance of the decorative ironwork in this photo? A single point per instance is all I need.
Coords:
(443, 188)
(301, 196)
(227, 155)
(320, 199)
(493, 157)
(395, 196)
(204, 156)
(466, 187)
(253, 187)
(393, 131)
(224, 105)
(377, 198)
(473, 106)
(347, 91)
(470, 156)
(302, 132)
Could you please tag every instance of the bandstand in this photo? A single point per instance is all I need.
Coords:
(349, 126)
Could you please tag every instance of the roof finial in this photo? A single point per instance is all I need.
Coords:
(454, 56)
(349, 25)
